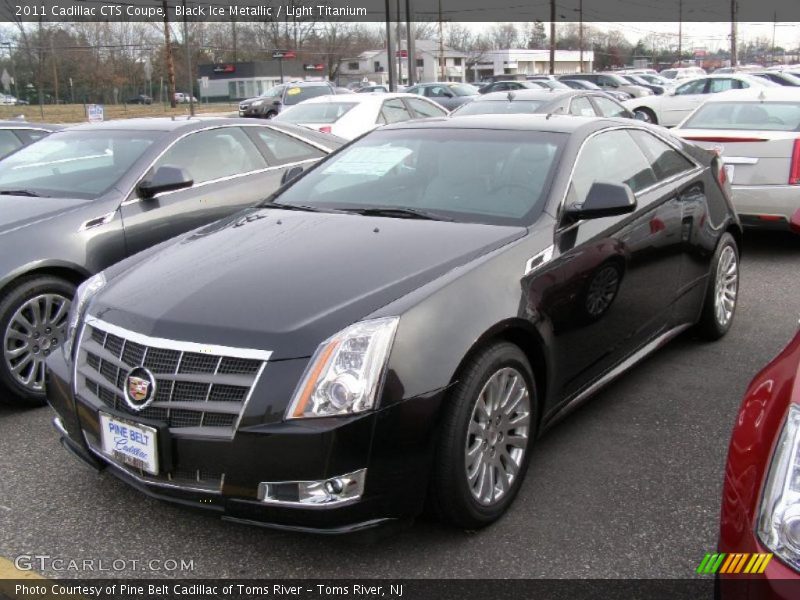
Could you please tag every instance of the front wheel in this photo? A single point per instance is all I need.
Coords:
(722, 292)
(33, 324)
(646, 115)
(482, 452)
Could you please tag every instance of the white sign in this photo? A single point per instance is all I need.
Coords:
(204, 83)
(6, 80)
(94, 113)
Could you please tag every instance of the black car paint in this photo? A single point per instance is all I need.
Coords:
(478, 289)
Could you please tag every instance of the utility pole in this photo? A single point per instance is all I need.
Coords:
(188, 60)
(734, 60)
(580, 35)
(389, 46)
(680, 33)
(168, 56)
(441, 44)
(233, 33)
(552, 37)
(412, 59)
(399, 45)
(53, 65)
(774, 25)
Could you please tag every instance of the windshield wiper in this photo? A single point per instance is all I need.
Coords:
(398, 212)
(30, 193)
(302, 207)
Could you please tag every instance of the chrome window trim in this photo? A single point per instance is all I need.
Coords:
(169, 344)
(128, 200)
(562, 201)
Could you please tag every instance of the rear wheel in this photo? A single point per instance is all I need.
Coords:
(722, 292)
(483, 450)
(646, 115)
(33, 323)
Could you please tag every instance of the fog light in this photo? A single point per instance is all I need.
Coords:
(335, 491)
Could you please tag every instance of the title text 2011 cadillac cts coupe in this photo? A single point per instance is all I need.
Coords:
(398, 324)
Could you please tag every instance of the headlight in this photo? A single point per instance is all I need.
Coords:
(86, 291)
(779, 515)
(345, 372)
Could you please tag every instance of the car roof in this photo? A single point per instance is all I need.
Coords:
(531, 94)
(773, 94)
(12, 124)
(519, 122)
(160, 123)
(361, 98)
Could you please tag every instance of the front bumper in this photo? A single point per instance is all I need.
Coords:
(766, 206)
(394, 445)
(256, 111)
(778, 582)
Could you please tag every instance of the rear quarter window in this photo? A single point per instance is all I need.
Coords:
(748, 116)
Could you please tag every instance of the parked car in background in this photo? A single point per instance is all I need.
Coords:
(449, 95)
(784, 78)
(761, 490)
(755, 131)
(17, 134)
(349, 117)
(504, 77)
(581, 84)
(506, 86)
(372, 88)
(638, 80)
(610, 82)
(86, 197)
(182, 98)
(681, 73)
(399, 324)
(274, 100)
(552, 84)
(565, 102)
(141, 99)
(671, 108)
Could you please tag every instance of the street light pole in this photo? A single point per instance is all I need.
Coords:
(552, 37)
(580, 35)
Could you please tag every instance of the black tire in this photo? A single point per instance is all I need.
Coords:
(711, 326)
(452, 497)
(646, 115)
(26, 289)
(271, 115)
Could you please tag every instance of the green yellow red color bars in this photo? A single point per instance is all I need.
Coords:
(734, 563)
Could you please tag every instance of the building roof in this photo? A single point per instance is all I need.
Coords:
(251, 69)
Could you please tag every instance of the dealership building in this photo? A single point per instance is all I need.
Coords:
(522, 61)
(236, 81)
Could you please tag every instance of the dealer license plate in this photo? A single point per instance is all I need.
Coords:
(129, 443)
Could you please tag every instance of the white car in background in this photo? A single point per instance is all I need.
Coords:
(351, 115)
(673, 106)
(757, 134)
(682, 73)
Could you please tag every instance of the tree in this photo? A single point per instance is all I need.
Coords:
(537, 38)
(504, 35)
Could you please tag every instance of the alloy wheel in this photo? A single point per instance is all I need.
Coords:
(727, 286)
(35, 330)
(497, 436)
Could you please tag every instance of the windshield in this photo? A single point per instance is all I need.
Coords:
(498, 107)
(463, 89)
(748, 116)
(74, 164)
(669, 73)
(274, 92)
(468, 175)
(317, 112)
(296, 94)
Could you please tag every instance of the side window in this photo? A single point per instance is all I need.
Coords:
(693, 87)
(425, 109)
(35, 134)
(609, 108)
(667, 162)
(581, 107)
(721, 85)
(213, 154)
(611, 157)
(606, 82)
(8, 142)
(395, 111)
(286, 149)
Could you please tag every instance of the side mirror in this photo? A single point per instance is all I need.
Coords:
(165, 179)
(290, 174)
(604, 200)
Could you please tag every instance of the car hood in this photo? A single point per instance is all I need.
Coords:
(21, 211)
(285, 281)
(250, 101)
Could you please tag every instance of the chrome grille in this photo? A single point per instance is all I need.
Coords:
(199, 390)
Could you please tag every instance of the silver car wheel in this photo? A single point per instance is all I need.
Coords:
(497, 437)
(35, 330)
(602, 290)
(727, 286)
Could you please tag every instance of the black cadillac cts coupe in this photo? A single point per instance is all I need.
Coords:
(400, 323)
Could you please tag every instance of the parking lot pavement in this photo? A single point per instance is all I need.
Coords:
(627, 486)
